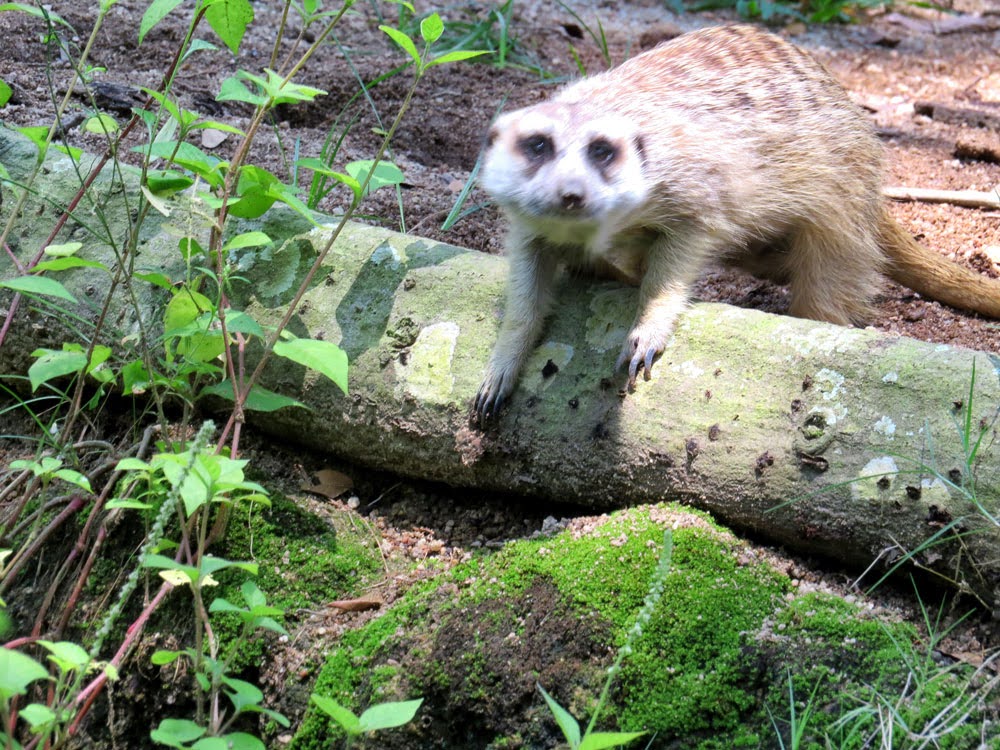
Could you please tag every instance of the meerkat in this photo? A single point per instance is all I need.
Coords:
(726, 144)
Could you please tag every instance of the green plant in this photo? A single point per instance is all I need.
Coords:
(936, 702)
(599, 38)
(489, 31)
(813, 11)
(797, 723)
(194, 346)
(589, 739)
(971, 431)
(374, 718)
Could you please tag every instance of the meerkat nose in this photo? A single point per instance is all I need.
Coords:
(573, 197)
(572, 201)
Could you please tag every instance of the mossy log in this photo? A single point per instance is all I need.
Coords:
(832, 440)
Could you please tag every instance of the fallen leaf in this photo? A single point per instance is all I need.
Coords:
(211, 138)
(329, 483)
(358, 605)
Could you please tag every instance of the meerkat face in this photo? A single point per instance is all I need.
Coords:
(559, 168)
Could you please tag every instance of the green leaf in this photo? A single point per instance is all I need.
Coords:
(17, 671)
(251, 204)
(456, 56)
(185, 308)
(222, 605)
(286, 194)
(161, 658)
(243, 694)
(126, 504)
(231, 741)
(37, 715)
(317, 166)
(5, 93)
(135, 378)
(248, 239)
(276, 90)
(601, 740)
(322, 356)
(253, 596)
(185, 319)
(101, 124)
(53, 364)
(166, 182)
(197, 45)
(229, 19)
(159, 562)
(73, 477)
(260, 399)
(189, 157)
(431, 28)
(210, 564)
(98, 357)
(216, 125)
(569, 726)
(68, 656)
(347, 719)
(37, 134)
(63, 264)
(156, 279)
(253, 189)
(403, 41)
(234, 90)
(176, 732)
(156, 12)
(38, 285)
(238, 321)
(71, 152)
(39, 12)
(389, 715)
(61, 251)
(386, 173)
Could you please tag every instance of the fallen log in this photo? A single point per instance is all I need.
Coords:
(838, 441)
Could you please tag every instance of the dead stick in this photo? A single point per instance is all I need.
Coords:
(966, 198)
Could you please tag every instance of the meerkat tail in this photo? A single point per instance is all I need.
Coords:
(935, 276)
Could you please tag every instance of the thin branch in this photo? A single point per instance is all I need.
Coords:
(965, 198)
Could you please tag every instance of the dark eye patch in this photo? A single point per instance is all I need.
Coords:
(537, 147)
(601, 152)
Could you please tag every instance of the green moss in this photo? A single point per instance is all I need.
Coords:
(303, 562)
(684, 676)
(712, 669)
(348, 667)
(605, 572)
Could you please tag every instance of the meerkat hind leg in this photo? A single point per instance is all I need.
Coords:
(833, 275)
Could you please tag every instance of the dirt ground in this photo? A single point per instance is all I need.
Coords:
(898, 65)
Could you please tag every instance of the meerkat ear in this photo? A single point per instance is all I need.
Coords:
(492, 135)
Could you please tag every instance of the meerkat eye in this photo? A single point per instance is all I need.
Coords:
(537, 147)
(601, 152)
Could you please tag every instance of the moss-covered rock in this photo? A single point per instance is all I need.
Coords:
(730, 649)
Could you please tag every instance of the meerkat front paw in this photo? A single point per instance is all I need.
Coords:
(492, 395)
(642, 346)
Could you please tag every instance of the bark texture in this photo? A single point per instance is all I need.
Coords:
(832, 440)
